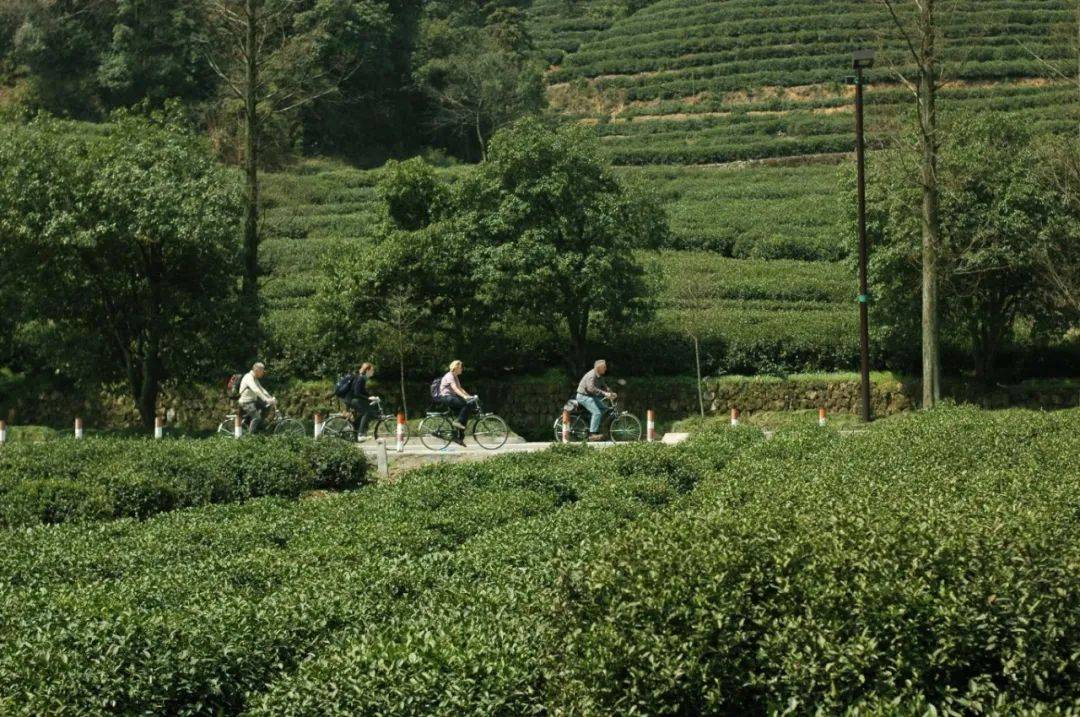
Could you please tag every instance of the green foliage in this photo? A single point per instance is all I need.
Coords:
(136, 232)
(926, 565)
(101, 478)
(997, 217)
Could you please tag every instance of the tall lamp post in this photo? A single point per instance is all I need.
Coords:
(862, 60)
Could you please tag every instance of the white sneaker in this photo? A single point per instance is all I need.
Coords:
(362, 439)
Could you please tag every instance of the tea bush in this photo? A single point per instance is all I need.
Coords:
(101, 478)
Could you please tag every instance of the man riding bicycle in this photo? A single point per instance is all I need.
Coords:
(255, 401)
(591, 391)
(360, 402)
(456, 398)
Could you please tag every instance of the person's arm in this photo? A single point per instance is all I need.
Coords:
(459, 390)
(263, 393)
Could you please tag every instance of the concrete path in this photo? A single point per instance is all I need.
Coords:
(416, 454)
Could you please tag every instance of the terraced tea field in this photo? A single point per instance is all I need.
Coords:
(695, 81)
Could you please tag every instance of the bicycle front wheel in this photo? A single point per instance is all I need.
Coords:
(387, 428)
(490, 433)
(338, 427)
(625, 428)
(436, 432)
(290, 428)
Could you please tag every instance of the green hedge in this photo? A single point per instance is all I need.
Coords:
(197, 612)
(101, 478)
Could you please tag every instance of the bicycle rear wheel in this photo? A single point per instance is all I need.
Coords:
(290, 428)
(625, 428)
(579, 429)
(387, 428)
(226, 429)
(436, 432)
(338, 427)
(490, 433)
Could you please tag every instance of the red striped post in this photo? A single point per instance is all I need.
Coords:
(565, 426)
(734, 416)
(3, 432)
(650, 425)
(78, 427)
(238, 426)
(400, 432)
(318, 425)
(159, 428)
(821, 416)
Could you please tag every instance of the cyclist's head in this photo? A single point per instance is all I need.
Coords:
(367, 367)
(457, 366)
(259, 369)
(600, 366)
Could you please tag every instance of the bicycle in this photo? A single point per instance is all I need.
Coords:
(280, 425)
(340, 425)
(488, 430)
(623, 426)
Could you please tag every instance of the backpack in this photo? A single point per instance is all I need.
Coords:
(435, 388)
(232, 386)
(343, 387)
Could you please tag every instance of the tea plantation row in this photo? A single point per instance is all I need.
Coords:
(932, 563)
(102, 478)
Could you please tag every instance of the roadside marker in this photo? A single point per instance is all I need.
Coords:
(400, 432)
(3, 432)
(734, 417)
(650, 425)
(821, 416)
(159, 428)
(318, 425)
(565, 426)
(238, 426)
(78, 428)
(383, 460)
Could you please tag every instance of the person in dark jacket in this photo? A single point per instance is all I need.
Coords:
(360, 402)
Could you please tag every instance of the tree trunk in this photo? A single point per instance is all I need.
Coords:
(578, 328)
(151, 384)
(697, 363)
(931, 224)
(251, 158)
(480, 139)
(404, 405)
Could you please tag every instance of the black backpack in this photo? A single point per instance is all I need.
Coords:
(435, 388)
(343, 387)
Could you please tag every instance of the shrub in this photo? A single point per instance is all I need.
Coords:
(99, 478)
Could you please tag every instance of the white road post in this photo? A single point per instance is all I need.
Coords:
(734, 417)
(400, 432)
(821, 416)
(565, 426)
(650, 425)
(383, 459)
(3, 432)
(78, 428)
(318, 425)
(159, 428)
(238, 426)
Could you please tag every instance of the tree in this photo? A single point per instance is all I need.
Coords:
(554, 234)
(921, 39)
(274, 57)
(397, 324)
(687, 293)
(1058, 163)
(123, 247)
(998, 221)
(479, 78)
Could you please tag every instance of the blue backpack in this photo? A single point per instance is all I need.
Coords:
(343, 387)
(435, 388)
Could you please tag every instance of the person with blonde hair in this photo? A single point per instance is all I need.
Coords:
(456, 398)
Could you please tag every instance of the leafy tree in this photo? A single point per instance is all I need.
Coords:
(479, 78)
(123, 248)
(555, 234)
(997, 221)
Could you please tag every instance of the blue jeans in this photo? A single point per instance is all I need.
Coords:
(596, 409)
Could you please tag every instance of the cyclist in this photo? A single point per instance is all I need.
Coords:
(591, 389)
(456, 398)
(360, 402)
(255, 400)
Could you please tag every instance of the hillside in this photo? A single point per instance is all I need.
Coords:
(696, 81)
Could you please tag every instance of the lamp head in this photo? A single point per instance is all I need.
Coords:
(862, 59)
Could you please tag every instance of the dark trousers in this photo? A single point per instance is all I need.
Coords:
(255, 413)
(362, 412)
(459, 404)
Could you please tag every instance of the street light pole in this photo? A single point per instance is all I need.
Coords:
(862, 59)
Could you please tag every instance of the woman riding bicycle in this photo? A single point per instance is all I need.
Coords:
(359, 401)
(456, 398)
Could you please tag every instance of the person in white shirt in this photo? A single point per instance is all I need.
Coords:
(255, 400)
